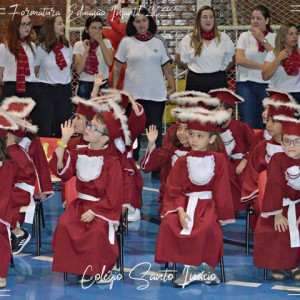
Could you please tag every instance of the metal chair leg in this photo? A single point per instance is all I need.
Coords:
(247, 228)
(65, 277)
(265, 274)
(38, 229)
(12, 264)
(42, 214)
(222, 269)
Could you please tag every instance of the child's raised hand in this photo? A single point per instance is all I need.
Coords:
(183, 218)
(281, 223)
(67, 130)
(99, 79)
(152, 134)
(87, 217)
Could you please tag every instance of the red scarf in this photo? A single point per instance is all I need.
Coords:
(22, 68)
(144, 37)
(210, 35)
(261, 48)
(91, 65)
(291, 64)
(59, 57)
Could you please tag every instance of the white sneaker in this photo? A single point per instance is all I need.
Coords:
(134, 216)
(2, 282)
(211, 275)
(190, 275)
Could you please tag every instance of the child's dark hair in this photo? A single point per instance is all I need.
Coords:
(99, 118)
(88, 22)
(3, 150)
(217, 145)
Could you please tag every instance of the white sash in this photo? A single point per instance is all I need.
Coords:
(293, 228)
(193, 200)
(29, 214)
(87, 197)
(237, 155)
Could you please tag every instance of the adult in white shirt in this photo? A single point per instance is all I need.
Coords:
(148, 60)
(206, 53)
(251, 51)
(53, 68)
(92, 55)
(17, 59)
(282, 65)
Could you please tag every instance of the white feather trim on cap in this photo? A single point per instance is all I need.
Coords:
(277, 103)
(283, 118)
(203, 115)
(118, 113)
(93, 103)
(18, 107)
(185, 98)
(23, 124)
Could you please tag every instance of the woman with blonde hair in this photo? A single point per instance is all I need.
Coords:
(206, 53)
(282, 65)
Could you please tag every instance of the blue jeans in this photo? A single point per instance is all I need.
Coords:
(85, 88)
(251, 110)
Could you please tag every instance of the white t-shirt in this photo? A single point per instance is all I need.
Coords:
(102, 67)
(213, 58)
(49, 71)
(9, 63)
(144, 75)
(248, 43)
(281, 81)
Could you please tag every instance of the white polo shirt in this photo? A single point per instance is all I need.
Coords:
(102, 67)
(49, 71)
(9, 63)
(248, 43)
(144, 77)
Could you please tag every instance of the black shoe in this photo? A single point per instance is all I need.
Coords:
(85, 279)
(18, 243)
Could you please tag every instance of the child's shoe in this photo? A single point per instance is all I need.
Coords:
(85, 279)
(210, 275)
(190, 275)
(2, 282)
(134, 215)
(18, 243)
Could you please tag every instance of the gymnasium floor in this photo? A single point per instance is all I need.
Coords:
(32, 277)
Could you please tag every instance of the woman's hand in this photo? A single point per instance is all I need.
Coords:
(87, 217)
(257, 34)
(281, 223)
(183, 217)
(86, 45)
(283, 54)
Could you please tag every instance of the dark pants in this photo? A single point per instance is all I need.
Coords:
(206, 82)
(53, 107)
(85, 88)
(251, 110)
(154, 112)
(9, 89)
(296, 96)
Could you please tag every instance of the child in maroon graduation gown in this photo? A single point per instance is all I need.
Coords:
(84, 240)
(7, 169)
(197, 201)
(276, 236)
(237, 137)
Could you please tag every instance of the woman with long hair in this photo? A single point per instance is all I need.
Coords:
(252, 48)
(92, 55)
(206, 52)
(53, 69)
(282, 65)
(17, 59)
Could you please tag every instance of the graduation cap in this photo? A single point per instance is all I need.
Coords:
(226, 96)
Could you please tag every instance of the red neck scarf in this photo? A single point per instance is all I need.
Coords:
(291, 64)
(143, 37)
(59, 57)
(261, 48)
(210, 35)
(91, 65)
(22, 68)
